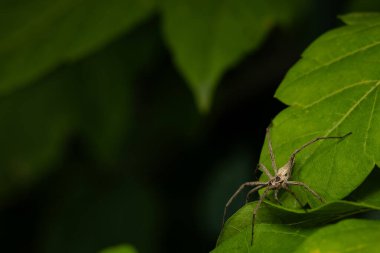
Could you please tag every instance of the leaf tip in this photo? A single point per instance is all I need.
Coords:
(203, 95)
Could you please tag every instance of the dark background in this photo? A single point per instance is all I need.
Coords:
(164, 187)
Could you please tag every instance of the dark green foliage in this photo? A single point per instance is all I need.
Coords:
(102, 143)
(39, 35)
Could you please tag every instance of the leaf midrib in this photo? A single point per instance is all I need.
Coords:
(343, 118)
(336, 92)
(336, 60)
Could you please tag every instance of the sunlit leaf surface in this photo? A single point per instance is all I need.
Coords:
(331, 91)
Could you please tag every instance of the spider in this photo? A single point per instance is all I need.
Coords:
(279, 181)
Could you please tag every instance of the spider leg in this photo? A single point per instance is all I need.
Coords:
(271, 153)
(237, 192)
(276, 197)
(264, 169)
(262, 197)
(317, 139)
(307, 188)
(253, 191)
(294, 196)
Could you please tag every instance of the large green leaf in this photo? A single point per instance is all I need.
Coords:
(208, 37)
(331, 91)
(38, 35)
(346, 236)
(276, 224)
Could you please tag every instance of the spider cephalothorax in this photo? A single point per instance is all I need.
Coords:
(280, 179)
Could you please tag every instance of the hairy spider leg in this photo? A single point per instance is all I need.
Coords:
(253, 191)
(276, 196)
(237, 192)
(260, 185)
(271, 153)
(264, 169)
(305, 186)
(262, 197)
(292, 157)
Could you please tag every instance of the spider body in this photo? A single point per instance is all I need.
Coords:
(280, 179)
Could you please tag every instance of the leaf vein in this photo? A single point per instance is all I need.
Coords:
(271, 230)
(365, 28)
(337, 59)
(369, 123)
(341, 90)
(344, 117)
(352, 109)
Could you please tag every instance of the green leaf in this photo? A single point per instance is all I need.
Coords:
(209, 37)
(352, 235)
(120, 249)
(276, 224)
(331, 91)
(39, 35)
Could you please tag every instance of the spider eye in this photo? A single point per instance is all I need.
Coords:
(278, 178)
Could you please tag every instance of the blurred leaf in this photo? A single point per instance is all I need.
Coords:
(34, 125)
(39, 35)
(106, 104)
(91, 213)
(331, 91)
(90, 98)
(363, 6)
(348, 235)
(120, 249)
(276, 224)
(106, 83)
(209, 37)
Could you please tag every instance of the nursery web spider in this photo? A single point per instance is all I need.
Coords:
(279, 181)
